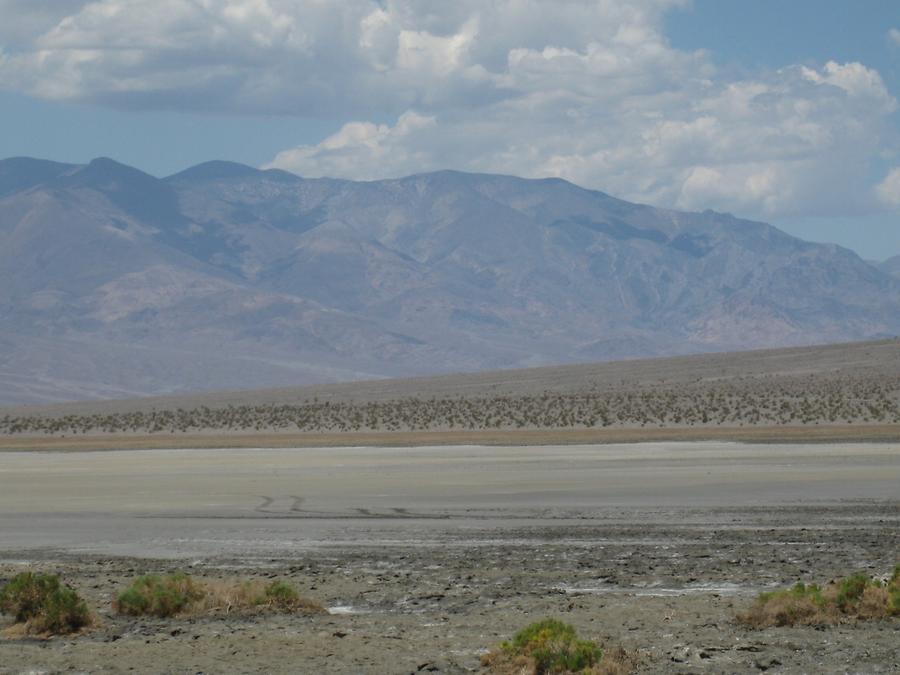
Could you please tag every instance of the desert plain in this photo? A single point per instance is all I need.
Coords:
(428, 556)
(647, 503)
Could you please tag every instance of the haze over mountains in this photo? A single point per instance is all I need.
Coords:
(116, 283)
(891, 266)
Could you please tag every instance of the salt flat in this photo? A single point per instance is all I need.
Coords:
(429, 555)
(176, 503)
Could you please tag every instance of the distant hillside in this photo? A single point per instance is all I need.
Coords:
(856, 385)
(891, 266)
(114, 283)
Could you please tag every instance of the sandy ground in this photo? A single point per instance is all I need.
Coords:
(427, 556)
(824, 433)
(856, 359)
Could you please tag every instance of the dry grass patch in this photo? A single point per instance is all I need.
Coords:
(43, 606)
(857, 597)
(181, 595)
(551, 646)
(255, 596)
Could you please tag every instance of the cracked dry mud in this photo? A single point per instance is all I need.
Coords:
(423, 586)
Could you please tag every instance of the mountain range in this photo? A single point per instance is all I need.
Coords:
(116, 283)
(891, 266)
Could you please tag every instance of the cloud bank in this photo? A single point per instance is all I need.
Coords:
(591, 91)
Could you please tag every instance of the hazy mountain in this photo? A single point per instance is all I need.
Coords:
(113, 282)
(891, 266)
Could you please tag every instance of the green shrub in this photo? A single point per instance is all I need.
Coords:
(159, 596)
(551, 646)
(180, 594)
(893, 590)
(799, 591)
(282, 595)
(851, 589)
(555, 647)
(894, 595)
(44, 605)
(858, 597)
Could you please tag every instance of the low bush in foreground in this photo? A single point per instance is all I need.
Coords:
(178, 594)
(41, 605)
(858, 597)
(551, 646)
(160, 596)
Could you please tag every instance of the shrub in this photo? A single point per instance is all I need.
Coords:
(43, 605)
(856, 597)
(551, 646)
(894, 592)
(555, 647)
(850, 591)
(249, 596)
(801, 604)
(159, 596)
(281, 593)
(180, 594)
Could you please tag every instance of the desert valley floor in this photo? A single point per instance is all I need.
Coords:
(428, 556)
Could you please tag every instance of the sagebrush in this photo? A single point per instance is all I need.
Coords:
(858, 597)
(796, 401)
(179, 594)
(551, 646)
(42, 605)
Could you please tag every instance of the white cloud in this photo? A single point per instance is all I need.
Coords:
(306, 56)
(856, 80)
(364, 150)
(894, 36)
(792, 142)
(22, 21)
(888, 190)
(589, 90)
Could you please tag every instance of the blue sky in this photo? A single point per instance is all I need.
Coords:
(778, 111)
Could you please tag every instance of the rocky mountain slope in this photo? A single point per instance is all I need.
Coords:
(116, 283)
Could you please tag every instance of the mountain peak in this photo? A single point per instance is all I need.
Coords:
(219, 169)
(492, 181)
(11, 164)
(135, 192)
(293, 279)
(103, 169)
(108, 162)
(213, 170)
(22, 173)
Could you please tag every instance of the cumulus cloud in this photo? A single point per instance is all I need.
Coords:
(797, 141)
(888, 190)
(365, 150)
(288, 56)
(589, 90)
(894, 36)
(25, 20)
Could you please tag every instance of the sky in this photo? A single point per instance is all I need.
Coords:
(785, 112)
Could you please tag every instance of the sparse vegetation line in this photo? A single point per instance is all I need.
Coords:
(752, 403)
(180, 594)
(857, 597)
(40, 604)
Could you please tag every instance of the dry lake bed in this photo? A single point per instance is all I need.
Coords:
(428, 556)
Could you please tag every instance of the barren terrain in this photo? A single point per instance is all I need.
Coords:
(645, 502)
(427, 556)
(827, 393)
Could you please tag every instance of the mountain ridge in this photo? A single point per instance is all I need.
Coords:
(320, 279)
(891, 266)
